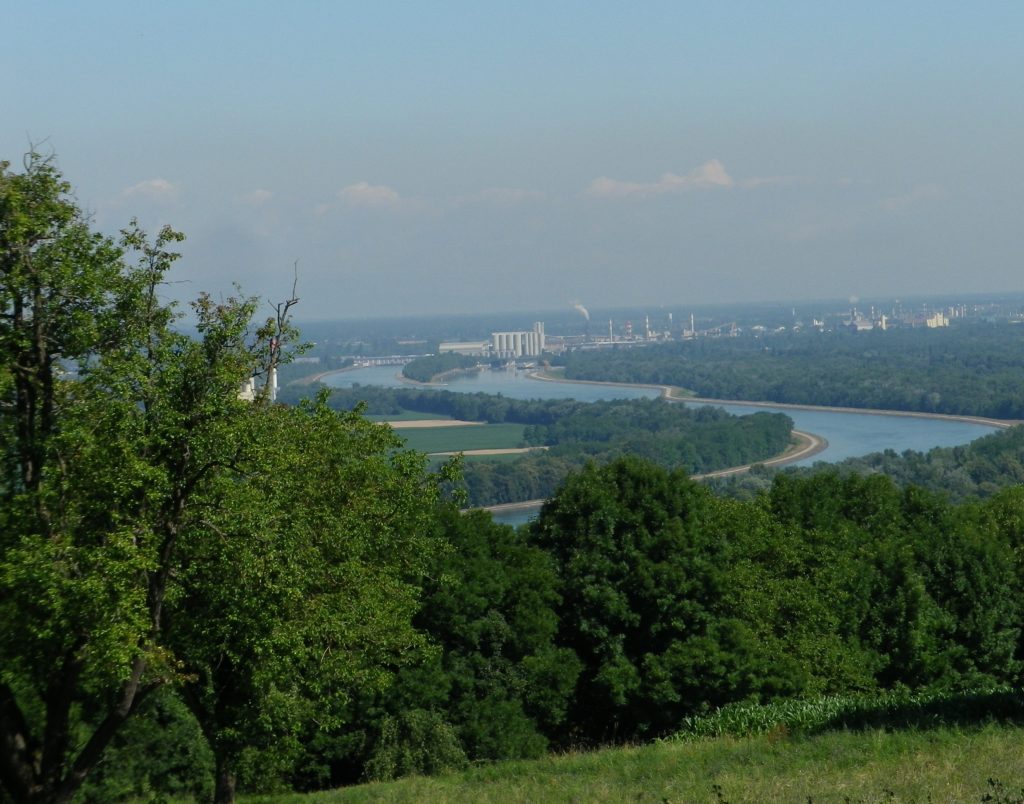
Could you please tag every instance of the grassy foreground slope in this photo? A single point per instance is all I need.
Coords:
(944, 764)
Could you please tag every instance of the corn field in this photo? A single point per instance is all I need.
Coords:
(887, 710)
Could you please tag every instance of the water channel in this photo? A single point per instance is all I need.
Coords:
(848, 434)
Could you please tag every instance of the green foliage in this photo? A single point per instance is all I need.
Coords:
(935, 764)
(971, 369)
(159, 753)
(308, 592)
(455, 439)
(978, 469)
(416, 742)
(677, 602)
(639, 581)
(498, 678)
(157, 531)
(672, 435)
(925, 589)
(425, 369)
(899, 709)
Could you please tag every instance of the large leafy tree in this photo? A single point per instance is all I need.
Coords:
(299, 584)
(641, 585)
(156, 530)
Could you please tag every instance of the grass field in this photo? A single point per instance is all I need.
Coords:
(936, 765)
(437, 460)
(455, 439)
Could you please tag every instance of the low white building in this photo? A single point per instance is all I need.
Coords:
(471, 348)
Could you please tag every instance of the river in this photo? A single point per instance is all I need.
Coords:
(848, 434)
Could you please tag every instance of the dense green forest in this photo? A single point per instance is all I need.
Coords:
(971, 369)
(639, 599)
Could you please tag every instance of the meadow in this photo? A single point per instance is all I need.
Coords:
(942, 764)
(470, 437)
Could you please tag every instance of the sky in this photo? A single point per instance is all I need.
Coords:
(462, 157)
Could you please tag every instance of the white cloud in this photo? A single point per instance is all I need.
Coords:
(257, 197)
(921, 194)
(364, 194)
(708, 176)
(152, 189)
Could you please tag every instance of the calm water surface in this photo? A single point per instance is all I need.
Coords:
(848, 434)
(512, 384)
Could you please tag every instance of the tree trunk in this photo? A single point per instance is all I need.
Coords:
(225, 789)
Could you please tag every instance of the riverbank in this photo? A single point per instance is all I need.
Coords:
(675, 394)
(846, 432)
(806, 445)
(499, 451)
(314, 378)
(910, 414)
(418, 424)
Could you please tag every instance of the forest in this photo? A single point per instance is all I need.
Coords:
(978, 469)
(424, 369)
(637, 600)
(202, 595)
(697, 440)
(971, 369)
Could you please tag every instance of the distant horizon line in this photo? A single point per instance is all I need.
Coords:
(568, 309)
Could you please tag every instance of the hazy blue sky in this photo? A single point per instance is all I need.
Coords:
(443, 157)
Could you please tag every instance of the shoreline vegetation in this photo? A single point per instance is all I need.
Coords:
(806, 444)
(676, 394)
(969, 369)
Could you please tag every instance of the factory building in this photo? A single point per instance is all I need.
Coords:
(472, 348)
(518, 344)
(502, 345)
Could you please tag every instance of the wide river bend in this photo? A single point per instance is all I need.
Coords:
(849, 434)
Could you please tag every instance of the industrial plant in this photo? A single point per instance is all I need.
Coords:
(502, 345)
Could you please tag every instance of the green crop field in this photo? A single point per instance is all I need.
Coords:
(508, 457)
(456, 439)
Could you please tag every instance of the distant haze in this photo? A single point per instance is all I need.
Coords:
(424, 158)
